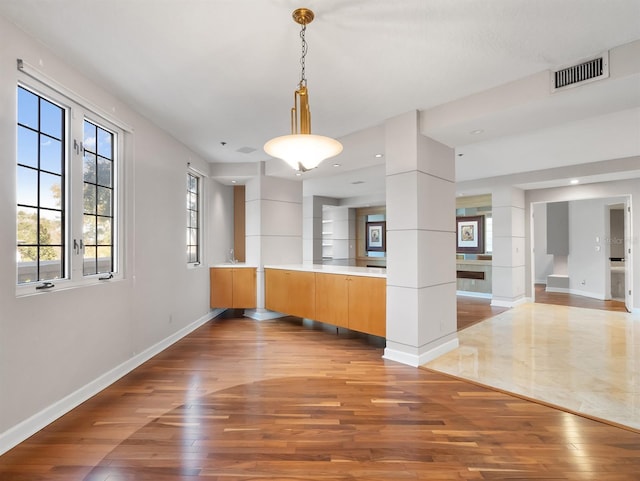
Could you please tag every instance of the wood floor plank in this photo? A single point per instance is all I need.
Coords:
(244, 400)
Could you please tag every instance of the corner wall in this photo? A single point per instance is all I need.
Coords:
(55, 344)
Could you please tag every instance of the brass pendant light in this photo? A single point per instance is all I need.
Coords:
(301, 149)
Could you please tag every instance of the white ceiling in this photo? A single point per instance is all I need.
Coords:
(213, 71)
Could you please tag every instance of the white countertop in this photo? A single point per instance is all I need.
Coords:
(237, 264)
(333, 269)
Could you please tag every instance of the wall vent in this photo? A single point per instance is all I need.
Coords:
(588, 71)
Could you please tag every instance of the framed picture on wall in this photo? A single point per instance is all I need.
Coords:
(376, 236)
(470, 234)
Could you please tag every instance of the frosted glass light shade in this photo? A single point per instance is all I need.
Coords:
(307, 150)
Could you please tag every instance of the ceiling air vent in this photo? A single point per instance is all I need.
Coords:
(588, 71)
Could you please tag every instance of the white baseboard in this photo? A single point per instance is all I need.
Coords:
(21, 431)
(483, 295)
(562, 290)
(592, 295)
(425, 357)
(510, 304)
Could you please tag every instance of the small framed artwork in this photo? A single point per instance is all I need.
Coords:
(470, 234)
(376, 236)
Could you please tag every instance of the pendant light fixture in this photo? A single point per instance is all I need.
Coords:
(302, 150)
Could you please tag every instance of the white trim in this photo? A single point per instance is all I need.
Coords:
(425, 357)
(483, 295)
(592, 295)
(43, 78)
(509, 304)
(562, 290)
(21, 431)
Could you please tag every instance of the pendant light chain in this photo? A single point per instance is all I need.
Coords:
(303, 78)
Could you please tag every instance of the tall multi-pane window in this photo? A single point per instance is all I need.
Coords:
(66, 197)
(97, 223)
(40, 188)
(193, 218)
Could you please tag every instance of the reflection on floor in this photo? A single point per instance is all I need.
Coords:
(583, 360)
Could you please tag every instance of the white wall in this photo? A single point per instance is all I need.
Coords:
(587, 254)
(543, 262)
(56, 343)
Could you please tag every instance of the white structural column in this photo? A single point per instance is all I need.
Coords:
(312, 227)
(421, 272)
(508, 266)
(273, 228)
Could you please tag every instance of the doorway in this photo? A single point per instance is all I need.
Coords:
(595, 270)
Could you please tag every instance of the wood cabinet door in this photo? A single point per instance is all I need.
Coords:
(275, 290)
(368, 305)
(332, 299)
(301, 294)
(244, 288)
(221, 287)
(290, 292)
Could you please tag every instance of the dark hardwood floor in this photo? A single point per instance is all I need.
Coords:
(286, 400)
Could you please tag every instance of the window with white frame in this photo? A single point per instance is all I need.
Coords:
(67, 215)
(193, 218)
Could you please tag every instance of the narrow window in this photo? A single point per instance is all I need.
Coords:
(98, 218)
(40, 188)
(193, 219)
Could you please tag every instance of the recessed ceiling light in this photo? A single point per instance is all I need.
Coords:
(378, 156)
(234, 181)
(336, 165)
(476, 132)
(460, 154)
(574, 181)
(298, 174)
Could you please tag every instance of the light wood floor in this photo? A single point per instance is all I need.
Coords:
(282, 400)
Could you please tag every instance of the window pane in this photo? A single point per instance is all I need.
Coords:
(104, 201)
(90, 136)
(50, 190)
(89, 199)
(192, 218)
(192, 201)
(192, 237)
(51, 119)
(89, 230)
(89, 265)
(104, 259)
(192, 183)
(50, 227)
(28, 228)
(89, 167)
(104, 172)
(27, 186)
(50, 154)
(104, 144)
(192, 254)
(27, 147)
(27, 266)
(27, 108)
(50, 263)
(104, 230)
